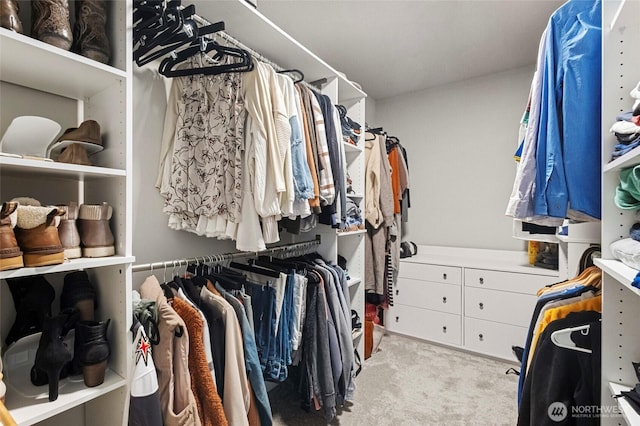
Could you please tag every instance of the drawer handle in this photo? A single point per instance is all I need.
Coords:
(481, 305)
(481, 337)
(444, 329)
(481, 280)
(444, 299)
(397, 319)
(444, 276)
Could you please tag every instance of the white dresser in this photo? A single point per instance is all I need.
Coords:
(474, 299)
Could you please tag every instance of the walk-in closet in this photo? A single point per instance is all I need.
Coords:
(260, 212)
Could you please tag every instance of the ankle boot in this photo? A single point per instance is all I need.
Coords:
(78, 293)
(10, 254)
(68, 231)
(89, 32)
(32, 298)
(9, 18)
(52, 354)
(94, 350)
(37, 235)
(95, 233)
(50, 22)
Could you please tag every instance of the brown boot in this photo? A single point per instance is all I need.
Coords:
(9, 15)
(50, 22)
(95, 233)
(68, 231)
(10, 254)
(37, 235)
(89, 32)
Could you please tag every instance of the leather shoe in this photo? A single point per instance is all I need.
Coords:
(9, 18)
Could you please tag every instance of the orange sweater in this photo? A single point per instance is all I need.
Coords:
(395, 179)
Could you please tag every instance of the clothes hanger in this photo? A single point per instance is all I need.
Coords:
(203, 46)
(256, 269)
(300, 74)
(175, 24)
(167, 20)
(562, 338)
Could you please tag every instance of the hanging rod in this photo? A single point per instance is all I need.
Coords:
(285, 248)
(237, 43)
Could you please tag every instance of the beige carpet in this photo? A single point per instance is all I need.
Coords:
(410, 382)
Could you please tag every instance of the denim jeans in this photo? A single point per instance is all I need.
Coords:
(263, 301)
(302, 181)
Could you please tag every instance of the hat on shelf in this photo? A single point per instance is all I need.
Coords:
(77, 143)
(29, 136)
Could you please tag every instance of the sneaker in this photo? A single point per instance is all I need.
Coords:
(10, 254)
(95, 233)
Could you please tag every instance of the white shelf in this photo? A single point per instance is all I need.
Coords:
(70, 265)
(354, 281)
(351, 233)
(617, 15)
(351, 148)
(29, 410)
(630, 415)
(25, 166)
(23, 58)
(618, 270)
(631, 158)
(241, 18)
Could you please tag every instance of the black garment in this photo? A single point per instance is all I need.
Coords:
(561, 375)
(216, 334)
(532, 228)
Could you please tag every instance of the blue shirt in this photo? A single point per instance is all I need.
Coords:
(568, 153)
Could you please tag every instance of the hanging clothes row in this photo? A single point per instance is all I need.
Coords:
(240, 325)
(558, 174)
(560, 362)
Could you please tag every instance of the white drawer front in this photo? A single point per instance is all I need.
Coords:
(428, 295)
(434, 273)
(501, 306)
(425, 324)
(493, 338)
(506, 281)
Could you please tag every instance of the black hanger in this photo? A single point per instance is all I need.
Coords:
(204, 45)
(288, 263)
(176, 23)
(256, 269)
(269, 264)
(294, 71)
(167, 20)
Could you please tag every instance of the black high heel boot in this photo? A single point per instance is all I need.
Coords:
(94, 350)
(53, 355)
(32, 298)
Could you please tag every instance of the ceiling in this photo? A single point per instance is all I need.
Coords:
(396, 46)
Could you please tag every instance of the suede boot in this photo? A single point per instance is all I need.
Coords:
(37, 234)
(50, 22)
(95, 233)
(90, 33)
(68, 231)
(32, 299)
(53, 355)
(9, 18)
(10, 254)
(93, 349)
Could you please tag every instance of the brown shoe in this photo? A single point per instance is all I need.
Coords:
(10, 254)
(89, 31)
(50, 22)
(95, 233)
(9, 18)
(37, 235)
(68, 231)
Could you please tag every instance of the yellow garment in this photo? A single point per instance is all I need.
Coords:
(591, 304)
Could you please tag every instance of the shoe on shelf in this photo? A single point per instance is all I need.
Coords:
(10, 253)
(9, 18)
(78, 293)
(95, 233)
(68, 231)
(76, 144)
(32, 299)
(50, 22)
(89, 32)
(93, 350)
(53, 355)
(37, 233)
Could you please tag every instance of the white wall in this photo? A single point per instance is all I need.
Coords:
(460, 140)
(370, 111)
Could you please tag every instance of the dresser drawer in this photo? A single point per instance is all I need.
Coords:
(428, 295)
(425, 324)
(501, 306)
(434, 273)
(493, 338)
(506, 281)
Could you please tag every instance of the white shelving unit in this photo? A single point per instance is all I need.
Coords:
(40, 77)
(621, 301)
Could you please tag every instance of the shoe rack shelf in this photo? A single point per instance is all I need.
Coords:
(42, 80)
